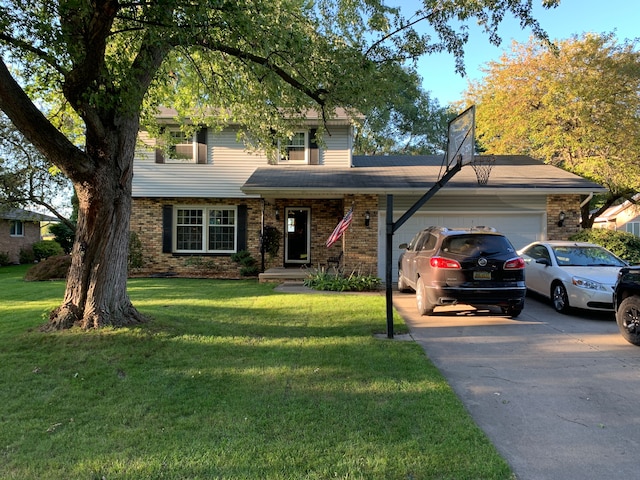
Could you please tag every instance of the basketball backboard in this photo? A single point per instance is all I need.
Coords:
(461, 138)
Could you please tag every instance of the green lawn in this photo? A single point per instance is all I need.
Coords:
(230, 380)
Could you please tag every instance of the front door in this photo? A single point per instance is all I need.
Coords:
(297, 243)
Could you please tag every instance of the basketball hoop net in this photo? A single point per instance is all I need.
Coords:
(482, 166)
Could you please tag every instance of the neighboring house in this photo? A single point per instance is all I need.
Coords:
(625, 217)
(19, 230)
(213, 198)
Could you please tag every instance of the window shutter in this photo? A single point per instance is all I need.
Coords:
(314, 151)
(201, 138)
(159, 156)
(242, 228)
(167, 228)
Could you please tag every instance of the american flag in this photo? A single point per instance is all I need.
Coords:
(340, 228)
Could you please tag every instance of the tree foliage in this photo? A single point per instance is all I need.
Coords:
(109, 64)
(409, 123)
(576, 106)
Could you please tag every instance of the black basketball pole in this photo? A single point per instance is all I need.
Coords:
(393, 228)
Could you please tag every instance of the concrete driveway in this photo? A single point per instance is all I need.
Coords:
(558, 395)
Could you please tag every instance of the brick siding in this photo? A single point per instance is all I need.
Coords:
(13, 245)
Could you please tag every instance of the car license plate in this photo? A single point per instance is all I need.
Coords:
(481, 275)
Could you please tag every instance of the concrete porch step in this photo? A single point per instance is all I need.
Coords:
(282, 274)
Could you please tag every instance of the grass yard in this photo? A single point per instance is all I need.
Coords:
(230, 380)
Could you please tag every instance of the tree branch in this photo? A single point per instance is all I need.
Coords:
(38, 130)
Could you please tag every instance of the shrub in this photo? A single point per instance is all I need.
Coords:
(26, 256)
(53, 268)
(46, 248)
(324, 280)
(4, 259)
(135, 259)
(271, 240)
(248, 264)
(623, 244)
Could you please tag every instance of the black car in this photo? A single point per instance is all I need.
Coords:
(474, 266)
(626, 301)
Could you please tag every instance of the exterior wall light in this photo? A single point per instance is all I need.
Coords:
(367, 218)
(561, 218)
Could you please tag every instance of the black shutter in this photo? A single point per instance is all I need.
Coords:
(167, 228)
(201, 138)
(314, 151)
(242, 228)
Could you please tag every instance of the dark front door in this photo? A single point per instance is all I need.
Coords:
(297, 236)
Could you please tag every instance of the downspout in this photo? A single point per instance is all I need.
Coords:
(587, 200)
(582, 204)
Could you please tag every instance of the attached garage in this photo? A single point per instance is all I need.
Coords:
(522, 220)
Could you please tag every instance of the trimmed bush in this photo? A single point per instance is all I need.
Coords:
(46, 248)
(53, 268)
(623, 244)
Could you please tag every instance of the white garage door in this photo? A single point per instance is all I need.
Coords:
(521, 228)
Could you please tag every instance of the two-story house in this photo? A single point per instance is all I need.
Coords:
(210, 197)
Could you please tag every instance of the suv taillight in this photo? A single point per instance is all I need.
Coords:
(440, 262)
(514, 264)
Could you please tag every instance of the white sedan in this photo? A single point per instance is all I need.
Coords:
(572, 274)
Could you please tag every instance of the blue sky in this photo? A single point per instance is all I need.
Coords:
(571, 17)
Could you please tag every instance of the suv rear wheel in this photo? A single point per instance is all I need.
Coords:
(422, 303)
(628, 319)
(402, 283)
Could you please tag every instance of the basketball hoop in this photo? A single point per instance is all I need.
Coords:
(482, 166)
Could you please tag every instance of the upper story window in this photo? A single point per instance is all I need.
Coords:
(16, 228)
(301, 148)
(184, 148)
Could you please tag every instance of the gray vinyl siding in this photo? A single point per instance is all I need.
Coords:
(337, 149)
(229, 165)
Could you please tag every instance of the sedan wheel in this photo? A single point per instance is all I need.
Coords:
(422, 303)
(628, 319)
(559, 298)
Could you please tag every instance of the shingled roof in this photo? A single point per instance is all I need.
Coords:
(25, 215)
(413, 175)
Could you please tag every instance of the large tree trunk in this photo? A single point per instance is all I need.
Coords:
(96, 293)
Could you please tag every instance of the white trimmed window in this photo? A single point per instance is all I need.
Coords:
(633, 227)
(205, 229)
(295, 150)
(16, 228)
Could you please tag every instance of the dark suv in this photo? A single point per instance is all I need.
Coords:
(626, 301)
(474, 266)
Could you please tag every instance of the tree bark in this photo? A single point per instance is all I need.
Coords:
(96, 292)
